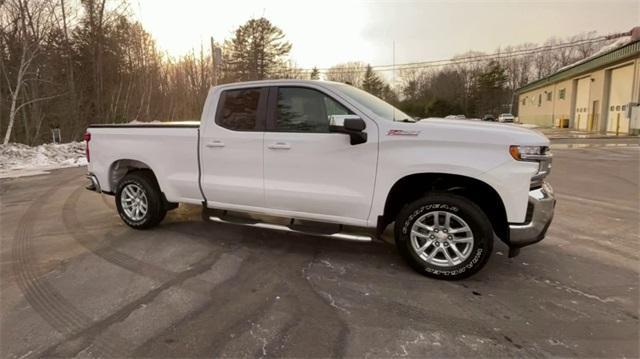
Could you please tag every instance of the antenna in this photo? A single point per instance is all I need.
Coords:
(214, 73)
(393, 74)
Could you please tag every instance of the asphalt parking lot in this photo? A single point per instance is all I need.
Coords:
(75, 281)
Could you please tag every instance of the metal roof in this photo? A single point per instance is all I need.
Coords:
(617, 54)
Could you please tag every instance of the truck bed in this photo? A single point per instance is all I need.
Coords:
(170, 148)
(180, 124)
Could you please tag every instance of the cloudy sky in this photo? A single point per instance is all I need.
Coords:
(327, 32)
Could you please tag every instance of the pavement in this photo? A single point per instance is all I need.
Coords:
(571, 133)
(562, 138)
(562, 143)
(76, 282)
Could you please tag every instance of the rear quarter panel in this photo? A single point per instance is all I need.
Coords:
(171, 153)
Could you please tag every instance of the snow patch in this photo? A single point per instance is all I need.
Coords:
(18, 160)
(136, 122)
(622, 41)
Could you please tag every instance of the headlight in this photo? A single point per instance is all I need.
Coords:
(538, 154)
(529, 153)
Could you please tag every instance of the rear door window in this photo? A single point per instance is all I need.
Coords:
(241, 109)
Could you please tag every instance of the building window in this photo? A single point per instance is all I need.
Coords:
(539, 100)
(524, 101)
(562, 93)
(549, 95)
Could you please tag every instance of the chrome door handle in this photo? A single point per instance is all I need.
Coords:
(215, 144)
(280, 146)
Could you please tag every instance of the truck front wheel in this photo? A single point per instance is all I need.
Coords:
(139, 200)
(444, 236)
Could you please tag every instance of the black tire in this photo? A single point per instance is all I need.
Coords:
(466, 210)
(155, 206)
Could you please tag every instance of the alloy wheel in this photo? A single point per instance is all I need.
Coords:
(442, 238)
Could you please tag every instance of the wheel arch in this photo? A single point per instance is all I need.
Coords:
(120, 168)
(411, 187)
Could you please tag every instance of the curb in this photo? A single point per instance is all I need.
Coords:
(592, 137)
(587, 145)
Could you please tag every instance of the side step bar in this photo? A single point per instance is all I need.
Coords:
(348, 233)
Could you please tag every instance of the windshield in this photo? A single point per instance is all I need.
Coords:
(376, 105)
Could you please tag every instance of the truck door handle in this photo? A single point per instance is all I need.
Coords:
(215, 144)
(280, 146)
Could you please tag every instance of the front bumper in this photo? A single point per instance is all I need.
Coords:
(539, 215)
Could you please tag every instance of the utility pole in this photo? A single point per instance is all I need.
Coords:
(214, 73)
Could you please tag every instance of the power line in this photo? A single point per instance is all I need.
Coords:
(457, 60)
(514, 52)
(466, 59)
(473, 58)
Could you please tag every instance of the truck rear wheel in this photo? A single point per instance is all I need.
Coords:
(444, 236)
(139, 200)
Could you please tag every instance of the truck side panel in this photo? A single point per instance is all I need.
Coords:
(170, 152)
(487, 160)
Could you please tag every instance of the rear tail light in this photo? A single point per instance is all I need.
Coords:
(87, 138)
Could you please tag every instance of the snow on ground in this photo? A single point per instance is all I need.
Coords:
(18, 160)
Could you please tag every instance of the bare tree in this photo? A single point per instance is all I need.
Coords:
(349, 72)
(28, 21)
(561, 56)
(289, 70)
(518, 67)
(587, 48)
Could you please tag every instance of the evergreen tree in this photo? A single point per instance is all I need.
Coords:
(256, 51)
(389, 95)
(491, 90)
(372, 82)
(315, 74)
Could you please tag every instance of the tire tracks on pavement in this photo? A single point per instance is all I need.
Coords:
(80, 341)
(113, 256)
(50, 304)
(247, 300)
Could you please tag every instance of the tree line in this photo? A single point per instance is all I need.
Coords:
(66, 64)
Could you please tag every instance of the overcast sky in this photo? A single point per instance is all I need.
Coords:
(327, 32)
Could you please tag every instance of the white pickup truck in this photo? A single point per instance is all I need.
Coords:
(329, 159)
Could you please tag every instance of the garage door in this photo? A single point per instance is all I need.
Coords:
(581, 115)
(619, 98)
